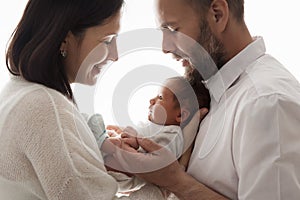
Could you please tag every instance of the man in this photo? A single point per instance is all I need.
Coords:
(248, 146)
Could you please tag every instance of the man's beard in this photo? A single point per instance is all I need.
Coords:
(212, 45)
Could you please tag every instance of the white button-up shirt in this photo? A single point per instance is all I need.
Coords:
(248, 146)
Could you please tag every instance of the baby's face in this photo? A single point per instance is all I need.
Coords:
(163, 109)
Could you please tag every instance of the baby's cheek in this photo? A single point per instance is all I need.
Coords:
(159, 114)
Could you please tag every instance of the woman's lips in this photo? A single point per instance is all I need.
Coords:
(100, 65)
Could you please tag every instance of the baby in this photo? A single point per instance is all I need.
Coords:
(169, 112)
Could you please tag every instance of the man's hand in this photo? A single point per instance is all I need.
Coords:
(169, 173)
(126, 158)
(159, 166)
(173, 178)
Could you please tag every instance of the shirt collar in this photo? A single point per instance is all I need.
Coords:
(226, 76)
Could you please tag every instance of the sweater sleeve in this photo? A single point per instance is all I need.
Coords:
(97, 126)
(62, 149)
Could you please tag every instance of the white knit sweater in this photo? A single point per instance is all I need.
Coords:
(46, 148)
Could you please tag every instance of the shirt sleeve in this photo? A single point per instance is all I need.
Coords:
(266, 148)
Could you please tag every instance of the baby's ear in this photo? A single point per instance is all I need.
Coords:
(183, 115)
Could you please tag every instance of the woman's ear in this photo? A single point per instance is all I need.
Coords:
(64, 45)
(218, 16)
(183, 115)
(63, 49)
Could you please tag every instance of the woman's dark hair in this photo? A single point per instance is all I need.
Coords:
(34, 49)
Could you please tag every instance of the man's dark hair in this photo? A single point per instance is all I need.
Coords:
(236, 7)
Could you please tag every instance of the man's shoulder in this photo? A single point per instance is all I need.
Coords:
(268, 76)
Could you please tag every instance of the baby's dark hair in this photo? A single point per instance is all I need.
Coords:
(202, 93)
(190, 93)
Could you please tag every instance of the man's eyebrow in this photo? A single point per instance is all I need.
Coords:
(166, 24)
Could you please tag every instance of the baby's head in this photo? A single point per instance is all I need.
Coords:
(177, 101)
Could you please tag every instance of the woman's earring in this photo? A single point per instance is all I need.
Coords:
(63, 53)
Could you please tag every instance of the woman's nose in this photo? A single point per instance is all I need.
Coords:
(113, 51)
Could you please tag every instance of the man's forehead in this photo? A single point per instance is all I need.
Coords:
(171, 12)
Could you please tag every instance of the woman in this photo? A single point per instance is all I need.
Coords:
(46, 148)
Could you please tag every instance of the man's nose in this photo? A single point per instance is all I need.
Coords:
(168, 45)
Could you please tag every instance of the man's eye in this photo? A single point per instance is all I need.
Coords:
(169, 28)
(173, 30)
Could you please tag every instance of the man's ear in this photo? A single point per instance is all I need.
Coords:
(218, 16)
(183, 115)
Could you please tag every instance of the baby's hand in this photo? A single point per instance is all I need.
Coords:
(111, 129)
(129, 136)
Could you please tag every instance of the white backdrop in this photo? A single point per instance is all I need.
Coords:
(276, 20)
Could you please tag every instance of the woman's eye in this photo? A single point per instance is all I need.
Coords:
(108, 40)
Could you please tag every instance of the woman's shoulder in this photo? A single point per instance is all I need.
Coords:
(41, 96)
(32, 98)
